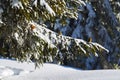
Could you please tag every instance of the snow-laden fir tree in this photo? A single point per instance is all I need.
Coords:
(23, 39)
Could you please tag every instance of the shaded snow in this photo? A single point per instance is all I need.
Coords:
(77, 33)
(1, 10)
(12, 70)
(110, 14)
(91, 11)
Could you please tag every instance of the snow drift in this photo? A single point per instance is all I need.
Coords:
(24, 71)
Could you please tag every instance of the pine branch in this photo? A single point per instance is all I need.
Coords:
(67, 45)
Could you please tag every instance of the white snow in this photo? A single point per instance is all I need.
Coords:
(41, 32)
(50, 10)
(16, 3)
(35, 3)
(4, 71)
(82, 2)
(1, 11)
(1, 21)
(16, 35)
(118, 3)
(12, 70)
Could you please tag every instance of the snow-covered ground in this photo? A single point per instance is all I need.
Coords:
(12, 70)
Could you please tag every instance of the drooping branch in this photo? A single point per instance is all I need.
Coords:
(67, 44)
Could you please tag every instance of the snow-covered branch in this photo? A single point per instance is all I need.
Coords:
(66, 43)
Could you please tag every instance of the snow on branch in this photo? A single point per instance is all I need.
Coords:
(16, 4)
(66, 44)
(46, 5)
(35, 3)
(82, 2)
(1, 11)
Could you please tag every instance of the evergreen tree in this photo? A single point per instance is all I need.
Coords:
(99, 21)
(23, 39)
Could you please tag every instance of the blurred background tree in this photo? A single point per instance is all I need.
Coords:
(99, 21)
